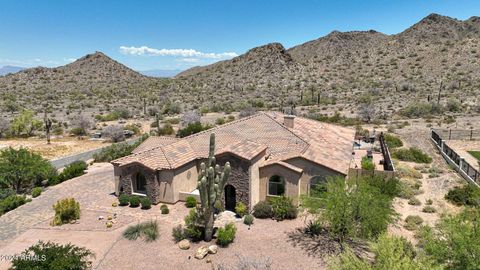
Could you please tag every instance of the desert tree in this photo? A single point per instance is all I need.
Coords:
(211, 181)
(82, 122)
(25, 123)
(190, 117)
(114, 133)
(4, 126)
(367, 111)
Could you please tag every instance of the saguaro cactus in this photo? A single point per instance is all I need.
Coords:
(211, 181)
(48, 126)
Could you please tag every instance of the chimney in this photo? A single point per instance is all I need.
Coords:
(288, 120)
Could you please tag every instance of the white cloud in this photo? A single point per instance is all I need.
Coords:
(188, 53)
(189, 60)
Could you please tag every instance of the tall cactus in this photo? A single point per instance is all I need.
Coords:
(211, 181)
(48, 126)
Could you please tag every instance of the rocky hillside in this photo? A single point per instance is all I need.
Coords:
(332, 73)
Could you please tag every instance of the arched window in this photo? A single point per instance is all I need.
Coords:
(318, 186)
(276, 186)
(140, 183)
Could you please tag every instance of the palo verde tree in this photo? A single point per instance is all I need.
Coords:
(210, 184)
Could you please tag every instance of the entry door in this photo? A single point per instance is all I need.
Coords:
(230, 198)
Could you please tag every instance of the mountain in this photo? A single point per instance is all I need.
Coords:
(334, 72)
(9, 69)
(160, 73)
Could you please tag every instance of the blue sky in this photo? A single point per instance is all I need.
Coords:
(179, 34)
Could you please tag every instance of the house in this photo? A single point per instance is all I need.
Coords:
(271, 154)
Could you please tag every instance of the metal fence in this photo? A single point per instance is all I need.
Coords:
(387, 159)
(465, 169)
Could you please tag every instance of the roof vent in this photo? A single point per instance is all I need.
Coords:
(289, 120)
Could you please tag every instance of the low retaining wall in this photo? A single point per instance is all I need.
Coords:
(357, 173)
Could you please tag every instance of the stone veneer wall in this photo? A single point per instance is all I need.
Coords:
(239, 177)
(127, 175)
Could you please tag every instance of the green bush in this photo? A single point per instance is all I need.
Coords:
(53, 256)
(123, 199)
(248, 219)
(283, 208)
(464, 195)
(314, 227)
(421, 109)
(11, 202)
(74, 169)
(36, 191)
(4, 193)
(367, 164)
(262, 210)
(117, 150)
(149, 230)
(66, 210)
(192, 128)
(412, 154)
(414, 201)
(164, 209)
(429, 209)
(134, 201)
(190, 202)
(412, 222)
(178, 233)
(146, 203)
(392, 141)
(78, 131)
(226, 235)
(192, 230)
(241, 209)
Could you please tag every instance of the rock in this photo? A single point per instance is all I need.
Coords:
(73, 221)
(114, 204)
(100, 217)
(184, 244)
(213, 249)
(201, 252)
(208, 260)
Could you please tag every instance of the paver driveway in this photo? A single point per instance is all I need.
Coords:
(92, 190)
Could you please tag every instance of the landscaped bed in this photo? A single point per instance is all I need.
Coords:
(475, 154)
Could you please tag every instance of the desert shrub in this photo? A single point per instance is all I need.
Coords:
(412, 154)
(135, 128)
(134, 201)
(453, 105)
(167, 129)
(117, 150)
(412, 222)
(226, 235)
(190, 202)
(73, 170)
(248, 219)
(429, 202)
(36, 191)
(149, 231)
(21, 169)
(429, 209)
(114, 133)
(192, 230)
(455, 240)
(66, 210)
(405, 171)
(390, 252)
(53, 256)
(192, 128)
(414, 201)
(164, 210)
(146, 203)
(464, 195)
(262, 210)
(77, 131)
(4, 193)
(421, 109)
(393, 141)
(11, 202)
(367, 164)
(283, 208)
(314, 227)
(220, 121)
(178, 233)
(241, 209)
(123, 200)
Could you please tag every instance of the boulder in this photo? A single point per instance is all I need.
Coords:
(184, 244)
(213, 249)
(201, 252)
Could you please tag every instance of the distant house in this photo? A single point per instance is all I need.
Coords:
(271, 154)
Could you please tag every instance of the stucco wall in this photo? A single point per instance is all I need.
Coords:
(310, 169)
(292, 180)
(255, 179)
(185, 179)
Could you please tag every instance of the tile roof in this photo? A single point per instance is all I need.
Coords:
(325, 144)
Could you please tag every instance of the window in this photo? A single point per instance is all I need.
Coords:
(276, 186)
(140, 183)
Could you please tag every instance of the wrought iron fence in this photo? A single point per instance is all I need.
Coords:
(466, 170)
(387, 159)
